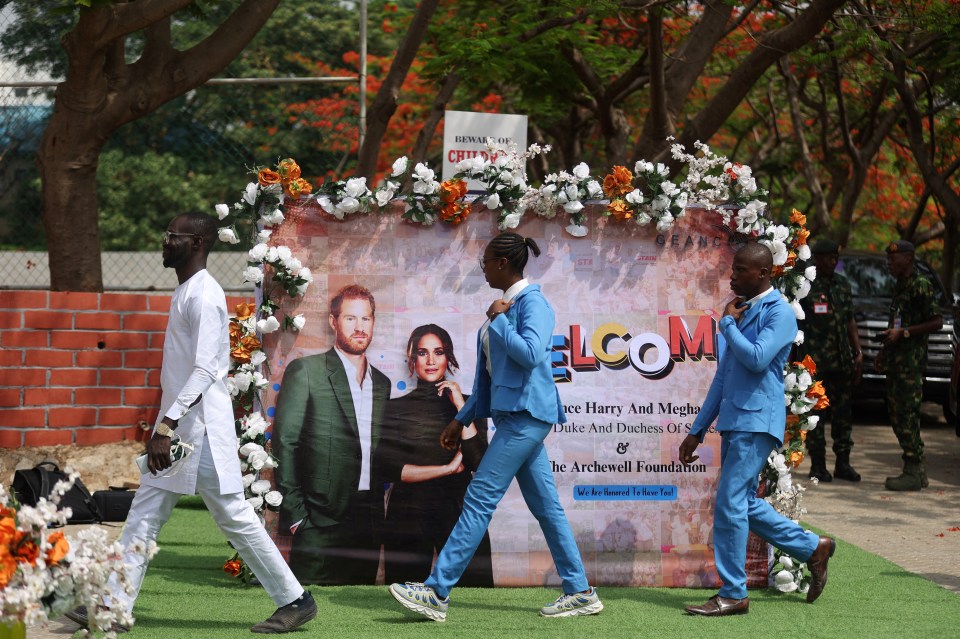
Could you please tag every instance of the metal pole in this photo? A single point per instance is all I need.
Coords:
(363, 73)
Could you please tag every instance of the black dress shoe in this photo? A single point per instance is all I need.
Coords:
(718, 606)
(817, 564)
(846, 472)
(289, 617)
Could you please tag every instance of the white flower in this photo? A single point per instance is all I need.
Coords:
(594, 190)
(493, 202)
(634, 197)
(283, 254)
(581, 171)
(226, 234)
(298, 322)
(256, 502)
(232, 387)
(786, 562)
(642, 166)
(222, 211)
(248, 479)
(747, 184)
(665, 222)
(347, 206)
(810, 272)
(780, 232)
(325, 203)
(272, 217)
(572, 207)
(790, 382)
(268, 325)
(356, 187)
(810, 423)
(511, 221)
(258, 252)
(571, 193)
(259, 487)
(799, 338)
(797, 310)
(305, 274)
(293, 265)
(258, 459)
(576, 230)
(783, 581)
(669, 188)
(803, 290)
(273, 498)
(253, 425)
(383, 197)
(242, 380)
(249, 448)
(253, 274)
(259, 380)
(778, 249)
(803, 253)
(250, 193)
(662, 169)
(804, 380)
(423, 173)
(399, 167)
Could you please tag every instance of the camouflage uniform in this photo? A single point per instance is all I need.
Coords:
(903, 362)
(826, 340)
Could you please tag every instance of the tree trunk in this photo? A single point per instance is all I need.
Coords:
(437, 109)
(385, 104)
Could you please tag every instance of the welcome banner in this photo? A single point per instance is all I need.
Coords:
(634, 351)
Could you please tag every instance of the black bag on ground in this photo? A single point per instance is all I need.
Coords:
(30, 485)
(114, 504)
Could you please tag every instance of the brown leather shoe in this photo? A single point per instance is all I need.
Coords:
(718, 606)
(817, 564)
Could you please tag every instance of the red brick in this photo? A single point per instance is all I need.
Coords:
(145, 322)
(48, 319)
(122, 377)
(123, 302)
(97, 396)
(24, 377)
(35, 339)
(102, 321)
(143, 359)
(128, 341)
(99, 358)
(10, 357)
(91, 436)
(156, 341)
(74, 378)
(149, 397)
(76, 340)
(10, 397)
(47, 396)
(153, 378)
(159, 303)
(53, 359)
(129, 416)
(75, 301)
(11, 319)
(47, 437)
(10, 438)
(23, 299)
(23, 417)
(72, 417)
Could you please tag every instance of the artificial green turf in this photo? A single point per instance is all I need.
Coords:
(186, 594)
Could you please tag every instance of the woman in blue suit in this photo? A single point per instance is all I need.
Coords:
(513, 385)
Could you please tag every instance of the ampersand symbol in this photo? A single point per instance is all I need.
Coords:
(622, 447)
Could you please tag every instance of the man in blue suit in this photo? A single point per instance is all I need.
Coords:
(746, 399)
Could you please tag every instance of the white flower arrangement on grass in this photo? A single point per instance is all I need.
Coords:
(44, 574)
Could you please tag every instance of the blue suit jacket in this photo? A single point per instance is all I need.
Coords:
(520, 345)
(747, 392)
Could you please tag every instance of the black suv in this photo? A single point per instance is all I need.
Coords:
(872, 287)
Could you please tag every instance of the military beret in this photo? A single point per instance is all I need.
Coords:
(824, 247)
(900, 246)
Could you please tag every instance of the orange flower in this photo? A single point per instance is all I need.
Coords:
(791, 259)
(618, 183)
(819, 392)
(233, 567)
(245, 310)
(803, 435)
(8, 566)
(297, 187)
(796, 457)
(236, 334)
(620, 210)
(730, 171)
(452, 190)
(26, 550)
(793, 420)
(289, 169)
(801, 238)
(776, 271)
(809, 364)
(267, 177)
(59, 548)
(796, 217)
(455, 213)
(251, 342)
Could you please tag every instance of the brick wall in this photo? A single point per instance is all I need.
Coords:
(79, 368)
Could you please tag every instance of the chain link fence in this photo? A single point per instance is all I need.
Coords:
(190, 154)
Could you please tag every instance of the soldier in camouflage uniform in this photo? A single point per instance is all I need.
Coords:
(913, 315)
(830, 338)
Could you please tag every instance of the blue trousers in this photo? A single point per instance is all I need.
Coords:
(516, 450)
(739, 511)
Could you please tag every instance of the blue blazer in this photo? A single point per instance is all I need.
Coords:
(747, 392)
(520, 345)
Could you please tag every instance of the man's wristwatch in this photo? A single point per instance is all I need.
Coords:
(163, 430)
(906, 333)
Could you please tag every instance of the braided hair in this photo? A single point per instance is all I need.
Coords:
(514, 248)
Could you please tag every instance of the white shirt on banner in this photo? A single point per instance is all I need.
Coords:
(362, 394)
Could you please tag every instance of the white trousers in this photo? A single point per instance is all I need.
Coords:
(235, 517)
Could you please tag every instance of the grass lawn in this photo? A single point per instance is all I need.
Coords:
(187, 595)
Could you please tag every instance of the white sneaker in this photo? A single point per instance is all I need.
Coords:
(579, 603)
(421, 599)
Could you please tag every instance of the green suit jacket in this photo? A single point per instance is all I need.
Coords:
(316, 441)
